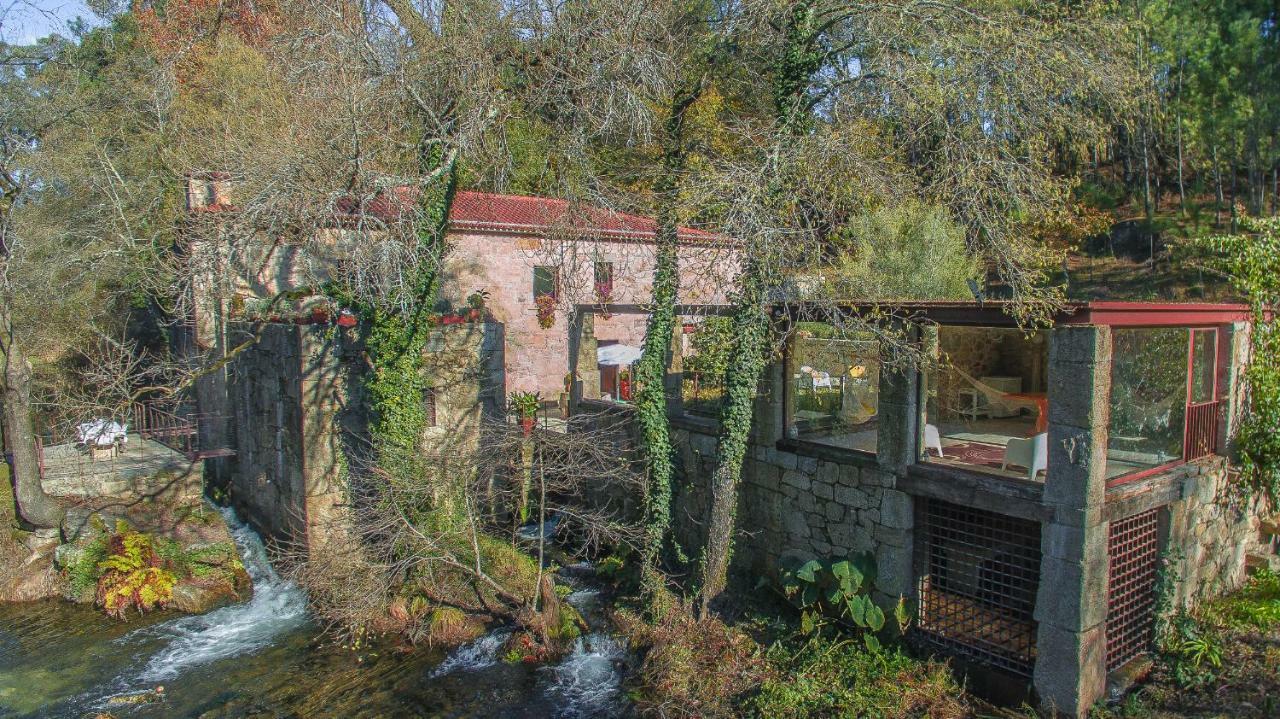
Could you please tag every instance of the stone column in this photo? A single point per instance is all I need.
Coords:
(673, 379)
(898, 413)
(1071, 606)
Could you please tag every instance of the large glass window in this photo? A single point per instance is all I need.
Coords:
(1148, 398)
(707, 347)
(986, 402)
(835, 389)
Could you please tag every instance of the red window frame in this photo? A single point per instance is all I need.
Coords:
(1199, 419)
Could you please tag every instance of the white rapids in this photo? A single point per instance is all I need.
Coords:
(588, 682)
(277, 607)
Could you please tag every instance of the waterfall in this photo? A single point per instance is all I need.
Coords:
(277, 607)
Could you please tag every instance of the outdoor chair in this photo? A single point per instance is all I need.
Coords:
(932, 438)
(1032, 453)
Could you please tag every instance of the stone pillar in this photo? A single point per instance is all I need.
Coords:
(1071, 606)
(898, 410)
(673, 379)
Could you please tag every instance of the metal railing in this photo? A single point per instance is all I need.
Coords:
(171, 430)
(1200, 437)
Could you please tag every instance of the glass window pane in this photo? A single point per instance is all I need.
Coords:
(1148, 398)
(544, 281)
(1204, 358)
(835, 388)
(986, 405)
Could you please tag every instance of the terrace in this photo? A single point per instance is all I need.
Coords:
(985, 397)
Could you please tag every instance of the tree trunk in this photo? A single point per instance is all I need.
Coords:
(34, 506)
(798, 60)
(650, 373)
(751, 332)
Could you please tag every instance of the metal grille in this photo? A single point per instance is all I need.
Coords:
(1134, 549)
(1201, 436)
(981, 571)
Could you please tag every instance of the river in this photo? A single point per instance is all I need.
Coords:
(267, 658)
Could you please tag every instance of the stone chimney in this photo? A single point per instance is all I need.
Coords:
(208, 191)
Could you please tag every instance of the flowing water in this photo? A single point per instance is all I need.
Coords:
(266, 658)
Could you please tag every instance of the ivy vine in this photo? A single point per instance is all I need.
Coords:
(398, 330)
(1251, 260)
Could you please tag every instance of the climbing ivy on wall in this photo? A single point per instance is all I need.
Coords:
(1252, 262)
(651, 401)
(398, 330)
(799, 59)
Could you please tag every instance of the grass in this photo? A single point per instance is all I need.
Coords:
(762, 668)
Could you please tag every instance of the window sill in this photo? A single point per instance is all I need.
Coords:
(826, 452)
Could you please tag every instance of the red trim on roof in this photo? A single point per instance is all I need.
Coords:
(993, 313)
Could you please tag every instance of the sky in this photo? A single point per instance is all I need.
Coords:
(24, 21)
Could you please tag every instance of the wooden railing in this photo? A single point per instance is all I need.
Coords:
(1200, 439)
(175, 432)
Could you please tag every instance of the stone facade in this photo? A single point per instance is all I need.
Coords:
(503, 265)
(299, 412)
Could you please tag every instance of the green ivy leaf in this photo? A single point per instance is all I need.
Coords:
(807, 624)
(873, 644)
(857, 610)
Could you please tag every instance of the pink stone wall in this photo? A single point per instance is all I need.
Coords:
(537, 359)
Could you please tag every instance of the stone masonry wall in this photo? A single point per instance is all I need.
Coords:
(297, 397)
(1211, 531)
(794, 505)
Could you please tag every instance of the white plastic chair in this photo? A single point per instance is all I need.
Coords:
(1032, 453)
(932, 438)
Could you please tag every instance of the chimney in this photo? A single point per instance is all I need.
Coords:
(208, 191)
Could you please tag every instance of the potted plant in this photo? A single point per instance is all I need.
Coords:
(525, 406)
(477, 301)
(320, 313)
(546, 305)
(346, 318)
(624, 385)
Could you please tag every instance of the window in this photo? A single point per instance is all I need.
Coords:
(429, 406)
(986, 402)
(546, 281)
(834, 388)
(1154, 375)
(604, 280)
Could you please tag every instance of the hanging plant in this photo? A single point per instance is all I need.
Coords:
(604, 297)
(546, 305)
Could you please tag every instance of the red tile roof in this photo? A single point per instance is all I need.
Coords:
(521, 214)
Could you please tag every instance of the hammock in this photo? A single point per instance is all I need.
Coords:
(996, 397)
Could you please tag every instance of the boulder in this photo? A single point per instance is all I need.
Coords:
(197, 598)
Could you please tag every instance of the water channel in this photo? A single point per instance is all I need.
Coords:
(267, 658)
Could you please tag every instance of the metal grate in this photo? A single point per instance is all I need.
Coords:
(981, 571)
(1134, 549)
(1201, 436)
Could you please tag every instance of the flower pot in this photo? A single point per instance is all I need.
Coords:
(346, 320)
(473, 315)
(319, 315)
(526, 424)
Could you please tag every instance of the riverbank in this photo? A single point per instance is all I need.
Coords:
(267, 657)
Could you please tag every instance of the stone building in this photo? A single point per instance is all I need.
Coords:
(1020, 490)
(292, 393)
